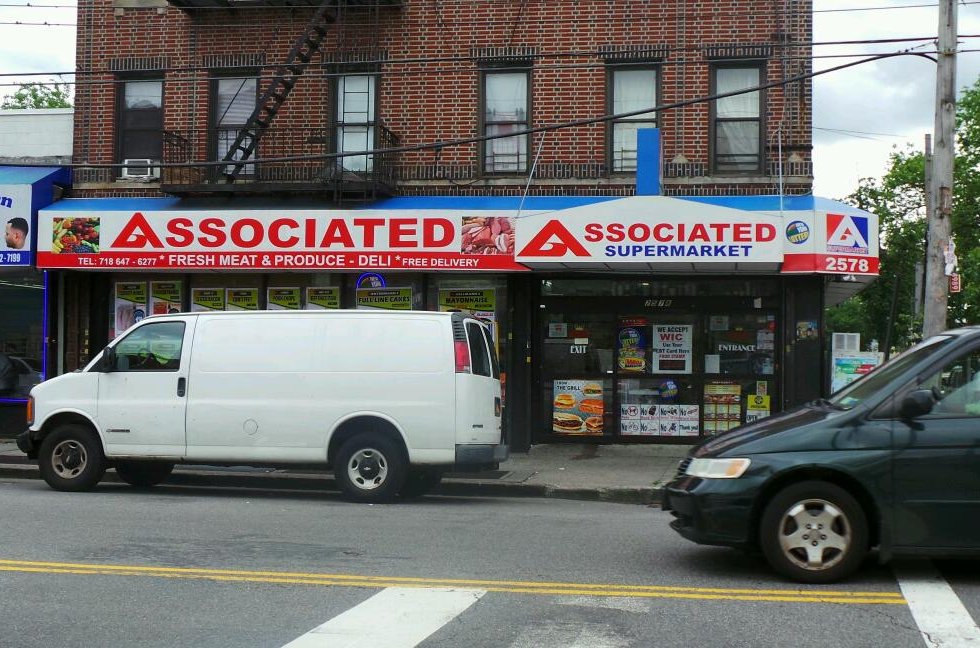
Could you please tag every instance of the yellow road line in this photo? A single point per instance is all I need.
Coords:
(523, 587)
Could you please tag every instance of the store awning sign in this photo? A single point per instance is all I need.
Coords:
(277, 240)
(832, 243)
(649, 230)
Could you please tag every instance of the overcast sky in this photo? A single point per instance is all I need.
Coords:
(860, 115)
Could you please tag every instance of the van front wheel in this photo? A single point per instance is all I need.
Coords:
(370, 468)
(71, 458)
(143, 474)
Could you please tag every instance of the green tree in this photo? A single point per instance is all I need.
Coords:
(898, 198)
(39, 95)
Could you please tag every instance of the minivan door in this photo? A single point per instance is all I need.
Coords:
(478, 392)
(141, 402)
(937, 462)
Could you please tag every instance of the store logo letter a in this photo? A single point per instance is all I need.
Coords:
(541, 244)
(137, 234)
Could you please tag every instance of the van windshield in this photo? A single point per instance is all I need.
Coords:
(854, 394)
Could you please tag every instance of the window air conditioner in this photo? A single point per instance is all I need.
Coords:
(142, 169)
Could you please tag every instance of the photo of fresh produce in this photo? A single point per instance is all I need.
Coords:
(75, 235)
(487, 235)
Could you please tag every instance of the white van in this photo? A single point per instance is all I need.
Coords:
(390, 400)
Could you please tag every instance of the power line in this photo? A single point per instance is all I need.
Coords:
(439, 145)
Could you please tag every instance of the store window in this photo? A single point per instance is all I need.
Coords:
(233, 103)
(505, 110)
(737, 120)
(356, 99)
(632, 89)
(21, 333)
(140, 126)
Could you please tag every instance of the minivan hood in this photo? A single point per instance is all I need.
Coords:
(794, 419)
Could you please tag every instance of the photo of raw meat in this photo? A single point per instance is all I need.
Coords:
(487, 235)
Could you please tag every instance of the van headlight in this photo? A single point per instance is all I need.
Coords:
(718, 468)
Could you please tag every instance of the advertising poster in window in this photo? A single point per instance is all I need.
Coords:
(207, 299)
(130, 306)
(282, 298)
(631, 344)
(673, 348)
(321, 298)
(384, 298)
(165, 297)
(849, 367)
(577, 407)
(659, 420)
(722, 407)
(756, 407)
(242, 299)
(480, 303)
(15, 218)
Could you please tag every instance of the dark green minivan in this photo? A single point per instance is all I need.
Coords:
(891, 461)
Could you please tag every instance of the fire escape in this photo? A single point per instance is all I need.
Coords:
(262, 157)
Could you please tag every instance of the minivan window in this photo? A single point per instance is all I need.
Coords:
(479, 354)
(956, 387)
(859, 390)
(151, 347)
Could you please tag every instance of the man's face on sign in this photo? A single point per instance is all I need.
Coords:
(15, 238)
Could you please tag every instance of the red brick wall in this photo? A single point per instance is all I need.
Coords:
(437, 100)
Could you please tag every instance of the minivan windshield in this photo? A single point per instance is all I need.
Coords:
(854, 394)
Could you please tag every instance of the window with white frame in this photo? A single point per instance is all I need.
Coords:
(737, 124)
(356, 97)
(140, 134)
(632, 89)
(234, 102)
(505, 110)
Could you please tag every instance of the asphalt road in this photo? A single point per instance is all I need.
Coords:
(181, 566)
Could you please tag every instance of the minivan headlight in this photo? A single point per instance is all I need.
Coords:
(718, 468)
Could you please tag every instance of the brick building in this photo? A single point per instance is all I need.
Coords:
(503, 157)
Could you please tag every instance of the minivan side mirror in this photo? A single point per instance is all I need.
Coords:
(916, 403)
(108, 360)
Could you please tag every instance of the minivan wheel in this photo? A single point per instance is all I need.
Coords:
(814, 532)
(143, 474)
(71, 459)
(370, 468)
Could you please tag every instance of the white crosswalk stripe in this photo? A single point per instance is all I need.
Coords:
(396, 617)
(941, 616)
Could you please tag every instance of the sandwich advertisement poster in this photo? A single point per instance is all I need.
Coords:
(578, 407)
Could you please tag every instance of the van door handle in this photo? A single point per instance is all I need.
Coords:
(181, 386)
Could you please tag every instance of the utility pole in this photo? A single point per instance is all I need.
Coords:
(939, 192)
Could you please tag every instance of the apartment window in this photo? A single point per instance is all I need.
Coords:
(632, 90)
(505, 110)
(737, 123)
(234, 102)
(141, 120)
(356, 122)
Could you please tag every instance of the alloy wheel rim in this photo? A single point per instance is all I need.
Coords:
(367, 469)
(815, 535)
(69, 459)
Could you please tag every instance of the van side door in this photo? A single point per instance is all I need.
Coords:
(142, 399)
(936, 464)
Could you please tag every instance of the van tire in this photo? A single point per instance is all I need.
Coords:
(419, 482)
(143, 474)
(838, 539)
(370, 467)
(71, 458)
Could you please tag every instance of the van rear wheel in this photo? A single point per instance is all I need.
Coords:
(71, 458)
(370, 467)
(143, 474)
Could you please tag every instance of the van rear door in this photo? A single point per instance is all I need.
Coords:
(477, 384)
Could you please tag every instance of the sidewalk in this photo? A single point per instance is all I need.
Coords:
(632, 474)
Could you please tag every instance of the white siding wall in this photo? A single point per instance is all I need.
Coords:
(44, 132)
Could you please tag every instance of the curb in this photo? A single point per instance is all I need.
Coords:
(277, 480)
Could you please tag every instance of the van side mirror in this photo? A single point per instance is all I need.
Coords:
(108, 360)
(916, 403)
